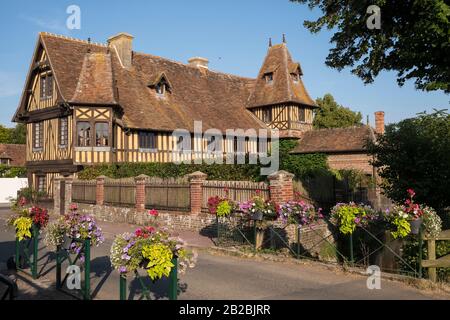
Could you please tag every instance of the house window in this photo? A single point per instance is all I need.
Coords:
(83, 134)
(46, 86)
(238, 145)
(269, 77)
(38, 135)
(211, 144)
(294, 77)
(160, 88)
(41, 184)
(63, 132)
(301, 114)
(262, 146)
(4, 161)
(267, 115)
(101, 134)
(147, 140)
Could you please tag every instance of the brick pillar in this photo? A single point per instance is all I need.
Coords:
(196, 180)
(140, 192)
(379, 122)
(281, 188)
(100, 191)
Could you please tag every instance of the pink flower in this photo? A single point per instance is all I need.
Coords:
(411, 192)
(73, 207)
(22, 201)
(153, 212)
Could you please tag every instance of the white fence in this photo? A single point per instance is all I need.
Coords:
(9, 188)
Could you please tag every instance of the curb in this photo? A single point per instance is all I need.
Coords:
(423, 284)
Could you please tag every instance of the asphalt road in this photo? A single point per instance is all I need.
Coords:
(219, 277)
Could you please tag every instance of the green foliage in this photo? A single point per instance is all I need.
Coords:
(23, 227)
(159, 258)
(165, 170)
(332, 115)
(12, 172)
(413, 39)
(345, 216)
(301, 165)
(224, 208)
(402, 227)
(15, 135)
(411, 256)
(415, 153)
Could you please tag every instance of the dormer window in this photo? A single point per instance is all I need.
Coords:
(160, 83)
(295, 77)
(269, 77)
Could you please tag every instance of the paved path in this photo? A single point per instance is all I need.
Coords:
(217, 277)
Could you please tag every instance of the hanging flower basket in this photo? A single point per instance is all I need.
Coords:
(257, 216)
(415, 225)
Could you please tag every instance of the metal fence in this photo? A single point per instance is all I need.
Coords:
(84, 191)
(168, 194)
(237, 190)
(120, 192)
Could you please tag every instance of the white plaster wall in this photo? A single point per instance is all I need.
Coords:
(10, 186)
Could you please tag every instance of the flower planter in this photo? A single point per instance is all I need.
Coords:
(415, 225)
(66, 243)
(258, 216)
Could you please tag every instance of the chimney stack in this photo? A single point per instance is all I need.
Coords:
(123, 44)
(199, 62)
(379, 122)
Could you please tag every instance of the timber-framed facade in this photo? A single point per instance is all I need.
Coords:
(87, 103)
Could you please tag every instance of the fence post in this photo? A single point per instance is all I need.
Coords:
(100, 191)
(58, 267)
(87, 269)
(68, 193)
(173, 280)
(196, 180)
(432, 256)
(281, 187)
(123, 287)
(34, 271)
(140, 192)
(57, 194)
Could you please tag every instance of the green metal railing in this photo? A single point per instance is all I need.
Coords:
(28, 250)
(62, 254)
(146, 293)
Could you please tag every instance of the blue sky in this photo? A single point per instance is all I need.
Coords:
(232, 34)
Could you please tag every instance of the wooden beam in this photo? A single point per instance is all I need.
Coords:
(443, 262)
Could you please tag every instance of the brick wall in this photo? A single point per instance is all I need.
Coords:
(358, 161)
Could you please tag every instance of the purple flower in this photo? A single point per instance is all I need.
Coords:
(125, 257)
(123, 269)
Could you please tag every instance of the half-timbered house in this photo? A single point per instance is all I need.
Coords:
(86, 103)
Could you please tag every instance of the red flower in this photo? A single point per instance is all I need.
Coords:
(150, 229)
(153, 212)
(258, 192)
(411, 192)
(22, 201)
(138, 232)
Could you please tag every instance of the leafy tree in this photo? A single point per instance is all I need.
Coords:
(19, 134)
(333, 115)
(415, 153)
(413, 39)
(15, 135)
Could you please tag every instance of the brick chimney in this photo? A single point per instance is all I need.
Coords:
(379, 122)
(199, 62)
(123, 44)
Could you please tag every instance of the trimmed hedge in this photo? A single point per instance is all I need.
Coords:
(12, 172)
(300, 165)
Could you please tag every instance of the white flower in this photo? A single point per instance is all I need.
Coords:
(269, 211)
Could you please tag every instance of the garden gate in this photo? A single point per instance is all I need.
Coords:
(432, 263)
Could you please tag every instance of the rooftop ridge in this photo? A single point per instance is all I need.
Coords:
(73, 39)
(190, 66)
(344, 128)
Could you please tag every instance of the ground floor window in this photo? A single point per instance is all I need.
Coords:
(41, 184)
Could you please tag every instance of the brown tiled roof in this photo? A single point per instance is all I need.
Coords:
(283, 89)
(95, 84)
(14, 152)
(337, 140)
(90, 73)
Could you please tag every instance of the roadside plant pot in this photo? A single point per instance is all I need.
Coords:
(258, 215)
(66, 243)
(415, 225)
